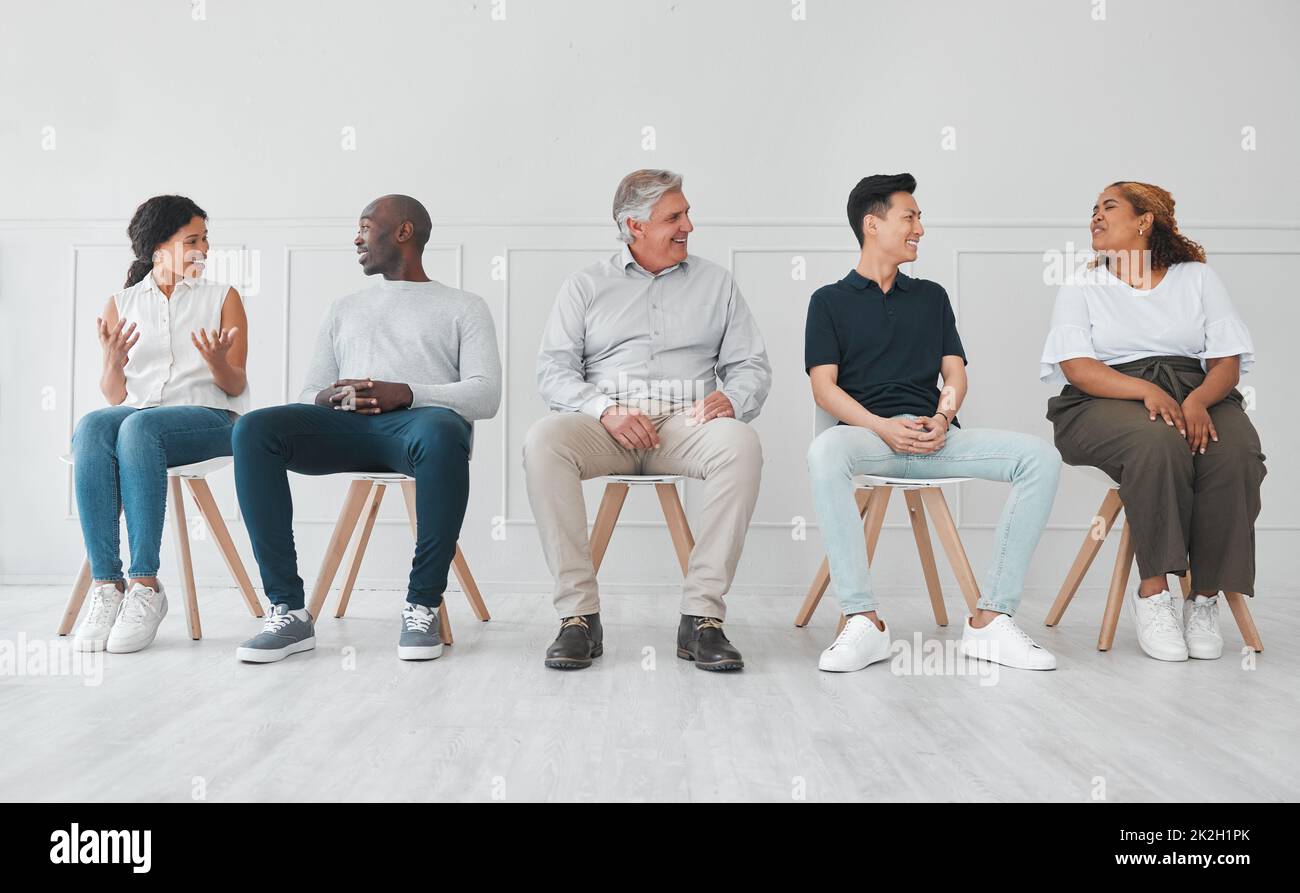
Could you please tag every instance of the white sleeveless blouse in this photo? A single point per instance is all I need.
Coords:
(165, 368)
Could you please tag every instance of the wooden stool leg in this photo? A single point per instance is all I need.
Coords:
(678, 528)
(444, 624)
(467, 585)
(1109, 510)
(183, 551)
(876, 521)
(823, 577)
(444, 621)
(946, 528)
(369, 511)
(1118, 583)
(815, 592)
(925, 549)
(611, 505)
(76, 599)
(1246, 623)
(1185, 581)
(212, 515)
(343, 528)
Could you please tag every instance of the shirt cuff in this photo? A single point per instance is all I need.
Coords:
(596, 406)
(744, 405)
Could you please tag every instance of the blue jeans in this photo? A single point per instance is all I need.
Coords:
(121, 455)
(430, 444)
(1030, 464)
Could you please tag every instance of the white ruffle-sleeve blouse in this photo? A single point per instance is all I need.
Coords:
(1188, 314)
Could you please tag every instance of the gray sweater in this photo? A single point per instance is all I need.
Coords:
(439, 340)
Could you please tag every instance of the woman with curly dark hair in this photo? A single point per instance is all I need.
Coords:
(174, 352)
(1151, 349)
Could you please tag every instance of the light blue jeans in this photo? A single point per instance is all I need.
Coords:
(1030, 464)
(121, 455)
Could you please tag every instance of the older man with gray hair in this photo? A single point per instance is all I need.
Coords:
(630, 364)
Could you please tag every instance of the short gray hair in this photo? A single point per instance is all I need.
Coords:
(637, 194)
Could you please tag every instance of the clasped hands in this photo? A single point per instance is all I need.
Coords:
(366, 396)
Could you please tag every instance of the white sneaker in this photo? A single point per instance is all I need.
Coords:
(1002, 642)
(860, 644)
(1159, 632)
(1201, 627)
(92, 632)
(137, 623)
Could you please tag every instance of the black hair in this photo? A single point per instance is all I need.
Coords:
(153, 223)
(872, 196)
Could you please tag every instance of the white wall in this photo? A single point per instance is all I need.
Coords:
(514, 134)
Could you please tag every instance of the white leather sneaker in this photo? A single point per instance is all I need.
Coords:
(1159, 631)
(92, 632)
(137, 623)
(1002, 642)
(860, 644)
(1201, 627)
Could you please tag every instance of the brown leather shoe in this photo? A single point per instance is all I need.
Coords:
(580, 640)
(701, 639)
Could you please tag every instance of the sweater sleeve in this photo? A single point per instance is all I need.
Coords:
(477, 393)
(324, 368)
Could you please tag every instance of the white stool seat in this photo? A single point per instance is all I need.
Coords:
(391, 476)
(636, 479)
(1096, 474)
(875, 480)
(193, 470)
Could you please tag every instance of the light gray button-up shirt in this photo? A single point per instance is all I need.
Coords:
(619, 334)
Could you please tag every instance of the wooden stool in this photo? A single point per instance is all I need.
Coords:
(363, 500)
(921, 493)
(1110, 508)
(611, 505)
(194, 476)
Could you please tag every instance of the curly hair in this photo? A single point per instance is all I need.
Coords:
(1168, 245)
(153, 223)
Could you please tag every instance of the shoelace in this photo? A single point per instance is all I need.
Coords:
(708, 623)
(276, 622)
(1163, 617)
(417, 621)
(574, 621)
(1203, 617)
(1019, 633)
(852, 632)
(99, 606)
(133, 605)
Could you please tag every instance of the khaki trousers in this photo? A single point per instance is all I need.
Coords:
(565, 448)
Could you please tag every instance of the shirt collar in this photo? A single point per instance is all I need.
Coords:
(151, 284)
(862, 283)
(626, 259)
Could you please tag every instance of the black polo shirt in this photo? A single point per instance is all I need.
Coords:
(889, 347)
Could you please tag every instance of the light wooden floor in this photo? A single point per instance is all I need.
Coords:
(488, 721)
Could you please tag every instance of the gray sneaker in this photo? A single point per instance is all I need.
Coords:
(420, 639)
(284, 634)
